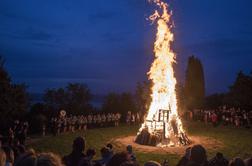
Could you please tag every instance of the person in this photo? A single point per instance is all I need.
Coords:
(218, 160)
(214, 119)
(88, 160)
(129, 163)
(18, 150)
(236, 162)
(118, 159)
(9, 155)
(133, 119)
(43, 130)
(105, 156)
(248, 162)
(2, 158)
(128, 118)
(110, 146)
(152, 163)
(117, 119)
(10, 136)
(48, 159)
(138, 120)
(26, 159)
(77, 155)
(185, 159)
(42, 159)
(130, 153)
(198, 156)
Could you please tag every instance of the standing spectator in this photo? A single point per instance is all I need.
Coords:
(138, 120)
(214, 119)
(133, 119)
(10, 136)
(128, 118)
(43, 130)
(206, 117)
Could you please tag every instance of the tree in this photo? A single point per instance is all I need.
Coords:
(143, 96)
(78, 98)
(74, 98)
(38, 116)
(194, 83)
(121, 103)
(180, 91)
(214, 101)
(240, 93)
(14, 100)
(111, 103)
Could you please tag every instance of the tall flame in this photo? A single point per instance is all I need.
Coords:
(162, 74)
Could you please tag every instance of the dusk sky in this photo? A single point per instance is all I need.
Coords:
(108, 44)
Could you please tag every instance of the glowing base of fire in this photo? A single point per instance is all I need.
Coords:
(144, 137)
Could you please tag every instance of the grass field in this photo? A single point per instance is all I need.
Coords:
(237, 142)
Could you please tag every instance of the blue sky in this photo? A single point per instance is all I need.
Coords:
(107, 44)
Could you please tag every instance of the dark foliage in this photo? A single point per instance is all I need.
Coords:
(14, 100)
(240, 93)
(194, 83)
(121, 103)
(74, 98)
(143, 96)
(238, 96)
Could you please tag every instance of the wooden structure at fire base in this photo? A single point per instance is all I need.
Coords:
(159, 126)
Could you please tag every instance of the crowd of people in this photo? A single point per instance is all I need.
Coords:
(63, 123)
(17, 132)
(223, 115)
(14, 152)
(19, 155)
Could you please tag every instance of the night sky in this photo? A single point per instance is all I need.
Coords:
(107, 44)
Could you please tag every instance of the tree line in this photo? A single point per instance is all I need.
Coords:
(76, 98)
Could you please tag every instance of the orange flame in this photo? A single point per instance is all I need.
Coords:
(162, 74)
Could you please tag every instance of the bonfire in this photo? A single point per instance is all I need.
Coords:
(162, 125)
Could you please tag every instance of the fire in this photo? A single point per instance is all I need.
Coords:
(162, 75)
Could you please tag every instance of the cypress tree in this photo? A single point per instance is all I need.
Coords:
(194, 83)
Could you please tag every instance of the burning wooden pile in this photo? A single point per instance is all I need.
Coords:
(158, 136)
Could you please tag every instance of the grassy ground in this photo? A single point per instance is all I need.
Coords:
(237, 142)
